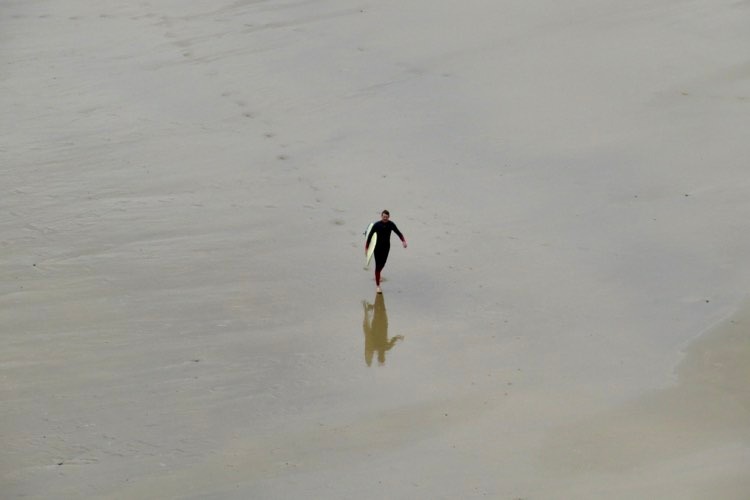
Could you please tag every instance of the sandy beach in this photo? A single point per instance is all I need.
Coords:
(184, 311)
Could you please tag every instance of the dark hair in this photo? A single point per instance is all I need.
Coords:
(386, 212)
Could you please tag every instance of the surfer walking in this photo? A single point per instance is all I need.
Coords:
(383, 228)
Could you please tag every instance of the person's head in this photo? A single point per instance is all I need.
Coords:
(385, 215)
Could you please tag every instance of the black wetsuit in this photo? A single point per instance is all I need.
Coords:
(383, 245)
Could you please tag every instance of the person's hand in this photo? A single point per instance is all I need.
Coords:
(404, 243)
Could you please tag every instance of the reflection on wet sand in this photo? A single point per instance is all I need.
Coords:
(375, 326)
(708, 409)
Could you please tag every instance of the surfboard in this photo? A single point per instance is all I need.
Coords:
(371, 248)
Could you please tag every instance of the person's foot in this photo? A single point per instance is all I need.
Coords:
(378, 290)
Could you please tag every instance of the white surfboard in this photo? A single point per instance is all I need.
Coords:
(371, 248)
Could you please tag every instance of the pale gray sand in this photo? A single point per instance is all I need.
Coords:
(184, 194)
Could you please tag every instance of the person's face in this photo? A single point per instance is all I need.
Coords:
(384, 217)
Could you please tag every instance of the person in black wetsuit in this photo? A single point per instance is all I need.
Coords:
(383, 229)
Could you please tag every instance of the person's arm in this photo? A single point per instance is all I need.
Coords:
(400, 236)
(369, 237)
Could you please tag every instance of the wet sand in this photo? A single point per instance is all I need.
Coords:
(183, 309)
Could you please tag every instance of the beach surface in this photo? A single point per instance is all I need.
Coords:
(184, 311)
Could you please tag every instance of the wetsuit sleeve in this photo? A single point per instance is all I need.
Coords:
(369, 235)
(398, 233)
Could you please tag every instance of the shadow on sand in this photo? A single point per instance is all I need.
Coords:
(375, 327)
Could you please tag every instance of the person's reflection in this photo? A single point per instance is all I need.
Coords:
(375, 326)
